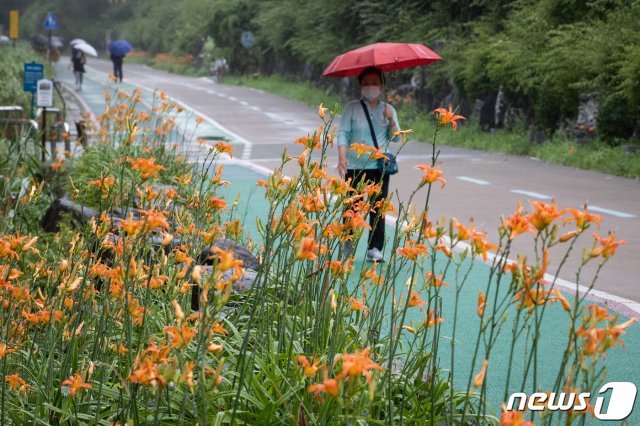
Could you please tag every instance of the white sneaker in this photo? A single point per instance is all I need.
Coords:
(374, 255)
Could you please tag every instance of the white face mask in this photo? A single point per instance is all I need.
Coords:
(370, 93)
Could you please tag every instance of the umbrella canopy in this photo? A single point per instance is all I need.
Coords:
(76, 41)
(56, 42)
(386, 56)
(119, 47)
(4, 39)
(86, 48)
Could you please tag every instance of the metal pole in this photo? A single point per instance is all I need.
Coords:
(50, 53)
(44, 131)
(33, 105)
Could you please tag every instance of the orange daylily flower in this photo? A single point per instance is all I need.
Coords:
(513, 418)
(17, 383)
(4, 351)
(544, 214)
(309, 369)
(223, 147)
(104, 184)
(308, 249)
(414, 300)
(147, 167)
(434, 281)
(582, 218)
(430, 319)
(517, 224)
(75, 383)
(226, 259)
(411, 250)
(480, 245)
(431, 175)
(329, 386)
(147, 374)
(357, 364)
(361, 149)
(358, 305)
(154, 220)
(219, 329)
(179, 337)
(448, 116)
(607, 246)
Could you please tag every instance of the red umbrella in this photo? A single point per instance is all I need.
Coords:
(386, 56)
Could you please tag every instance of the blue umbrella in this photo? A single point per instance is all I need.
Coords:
(119, 47)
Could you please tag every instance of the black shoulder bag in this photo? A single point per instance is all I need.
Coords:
(389, 165)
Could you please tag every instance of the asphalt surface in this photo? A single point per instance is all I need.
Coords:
(480, 185)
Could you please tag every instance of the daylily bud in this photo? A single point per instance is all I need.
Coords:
(178, 310)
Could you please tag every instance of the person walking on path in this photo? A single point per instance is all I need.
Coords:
(78, 60)
(117, 66)
(356, 127)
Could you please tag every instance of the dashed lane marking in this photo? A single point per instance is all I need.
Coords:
(473, 180)
(532, 194)
(611, 212)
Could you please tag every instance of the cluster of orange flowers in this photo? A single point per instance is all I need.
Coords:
(352, 366)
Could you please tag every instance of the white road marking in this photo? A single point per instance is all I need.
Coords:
(231, 98)
(211, 92)
(245, 103)
(532, 194)
(611, 212)
(255, 108)
(473, 180)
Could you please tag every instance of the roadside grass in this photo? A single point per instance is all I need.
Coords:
(597, 155)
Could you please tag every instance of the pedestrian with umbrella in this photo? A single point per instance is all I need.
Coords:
(78, 60)
(372, 122)
(118, 50)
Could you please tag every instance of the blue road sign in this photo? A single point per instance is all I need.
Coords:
(247, 39)
(32, 73)
(50, 22)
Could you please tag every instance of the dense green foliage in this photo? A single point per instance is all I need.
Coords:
(11, 70)
(543, 54)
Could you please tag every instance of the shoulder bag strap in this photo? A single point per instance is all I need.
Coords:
(366, 114)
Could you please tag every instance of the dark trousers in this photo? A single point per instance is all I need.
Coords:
(376, 236)
(117, 70)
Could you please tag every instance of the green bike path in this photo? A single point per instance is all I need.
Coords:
(623, 363)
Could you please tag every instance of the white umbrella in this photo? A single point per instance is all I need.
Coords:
(86, 48)
(4, 39)
(76, 41)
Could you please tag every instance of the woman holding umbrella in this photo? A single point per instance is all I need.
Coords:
(78, 60)
(373, 123)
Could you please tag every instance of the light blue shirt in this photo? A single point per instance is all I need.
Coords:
(354, 128)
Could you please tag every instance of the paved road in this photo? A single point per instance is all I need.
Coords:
(480, 185)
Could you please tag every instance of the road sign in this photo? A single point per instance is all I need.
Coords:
(50, 22)
(247, 39)
(44, 94)
(13, 24)
(32, 73)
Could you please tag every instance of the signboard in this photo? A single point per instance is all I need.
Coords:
(247, 39)
(45, 93)
(13, 24)
(32, 73)
(50, 22)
